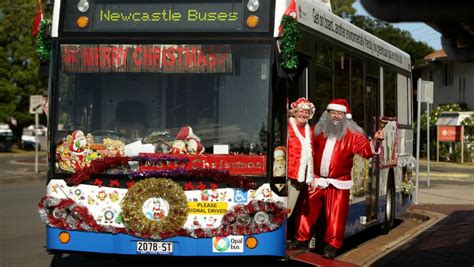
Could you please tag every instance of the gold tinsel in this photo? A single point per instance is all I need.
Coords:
(364, 175)
(166, 189)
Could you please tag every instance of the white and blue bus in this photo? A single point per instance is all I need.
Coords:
(165, 116)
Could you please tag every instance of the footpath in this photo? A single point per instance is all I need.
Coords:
(435, 231)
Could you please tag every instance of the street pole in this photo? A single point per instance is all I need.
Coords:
(437, 143)
(428, 143)
(418, 139)
(462, 144)
(36, 141)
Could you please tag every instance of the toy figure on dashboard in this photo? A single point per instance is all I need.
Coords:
(187, 143)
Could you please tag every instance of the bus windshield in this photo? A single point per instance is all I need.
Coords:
(148, 92)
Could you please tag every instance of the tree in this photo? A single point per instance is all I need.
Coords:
(19, 65)
(343, 8)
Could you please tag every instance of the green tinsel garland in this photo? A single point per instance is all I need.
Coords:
(288, 42)
(44, 43)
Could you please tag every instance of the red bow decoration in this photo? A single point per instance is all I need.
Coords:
(201, 186)
(114, 183)
(188, 186)
(98, 182)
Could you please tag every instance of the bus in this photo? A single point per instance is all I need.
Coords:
(166, 116)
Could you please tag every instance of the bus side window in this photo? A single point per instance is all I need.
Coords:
(341, 75)
(358, 93)
(389, 92)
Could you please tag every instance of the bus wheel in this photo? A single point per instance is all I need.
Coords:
(389, 207)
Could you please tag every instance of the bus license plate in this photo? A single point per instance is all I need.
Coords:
(147, 247)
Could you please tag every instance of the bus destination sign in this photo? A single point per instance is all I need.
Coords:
(168, 17)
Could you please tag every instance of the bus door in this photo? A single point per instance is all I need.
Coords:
(372, 115)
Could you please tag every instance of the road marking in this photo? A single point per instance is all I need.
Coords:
(441, 174)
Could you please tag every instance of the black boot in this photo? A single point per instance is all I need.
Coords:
(296, 245)
(329, 252)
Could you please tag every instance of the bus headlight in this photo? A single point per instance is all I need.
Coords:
(243, 219)
(83, 6)
(261, 217)
(253, 5)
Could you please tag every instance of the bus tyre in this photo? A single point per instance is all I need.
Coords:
(389, 207)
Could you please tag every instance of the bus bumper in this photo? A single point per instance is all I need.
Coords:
(268, 244)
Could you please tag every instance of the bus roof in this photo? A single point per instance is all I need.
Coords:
(317, 17)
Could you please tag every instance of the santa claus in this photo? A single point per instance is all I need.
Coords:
(337, 139)
(300, 154)
(77, 148)
(279, 161)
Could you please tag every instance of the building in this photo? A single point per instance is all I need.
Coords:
(453, 81)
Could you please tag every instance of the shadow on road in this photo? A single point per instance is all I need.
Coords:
(364, 236)
(98, 260)
(449, 242)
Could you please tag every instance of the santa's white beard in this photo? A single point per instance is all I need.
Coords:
(329, 127)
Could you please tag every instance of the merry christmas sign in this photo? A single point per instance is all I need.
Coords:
(235, 164)
(162, 58)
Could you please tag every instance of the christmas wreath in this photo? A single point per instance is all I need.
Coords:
(133, 202)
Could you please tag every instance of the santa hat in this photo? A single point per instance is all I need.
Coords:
(280, 151)
(341, 105)
(291, 9)
(185, 133)
(303, 103)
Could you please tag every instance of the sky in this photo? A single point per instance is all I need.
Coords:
(419, 31)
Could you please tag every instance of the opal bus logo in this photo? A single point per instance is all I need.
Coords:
(220, 244)
(228, 244)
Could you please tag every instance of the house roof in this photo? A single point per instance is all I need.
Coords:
(436, 55)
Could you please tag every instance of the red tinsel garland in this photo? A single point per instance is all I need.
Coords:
(98, 166)
(77, 217)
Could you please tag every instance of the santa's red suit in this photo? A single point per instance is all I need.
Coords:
(333, 161)
(300, 154)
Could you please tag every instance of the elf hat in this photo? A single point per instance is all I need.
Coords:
(305, 104)
(341, 105)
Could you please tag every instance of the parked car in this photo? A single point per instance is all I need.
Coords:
(41, 130)
(6, 141)
(29, 142)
